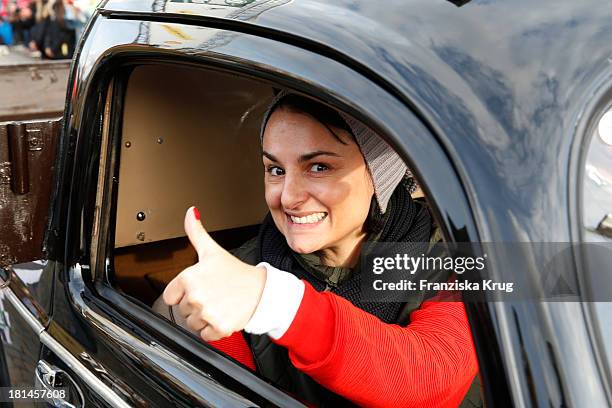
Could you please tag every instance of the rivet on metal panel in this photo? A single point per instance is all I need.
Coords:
(35, 140)
(128, 144)
(5, 173)
(140, 236)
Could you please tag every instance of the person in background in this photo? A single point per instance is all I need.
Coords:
(23, 21)
(51, 35)
(39, 29)
(78, 12)
(59, 39)
(6, 29)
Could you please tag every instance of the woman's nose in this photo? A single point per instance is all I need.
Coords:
(294, 191)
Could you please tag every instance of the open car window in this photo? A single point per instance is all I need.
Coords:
(191, 140)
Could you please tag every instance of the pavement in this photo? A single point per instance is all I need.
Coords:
(29, 86)
(17, 55)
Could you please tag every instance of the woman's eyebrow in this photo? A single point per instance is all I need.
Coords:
(312, 155)
(269, 156)
(304, 157)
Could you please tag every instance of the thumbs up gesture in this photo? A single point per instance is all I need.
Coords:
(219, 294)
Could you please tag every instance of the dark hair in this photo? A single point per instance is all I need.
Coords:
(329, 117)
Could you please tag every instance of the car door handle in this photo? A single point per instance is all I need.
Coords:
(60, 387)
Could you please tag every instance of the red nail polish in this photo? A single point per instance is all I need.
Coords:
(196, 213)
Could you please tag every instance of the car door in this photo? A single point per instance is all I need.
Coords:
(109, 349)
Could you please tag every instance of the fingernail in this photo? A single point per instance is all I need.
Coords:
(196, 213)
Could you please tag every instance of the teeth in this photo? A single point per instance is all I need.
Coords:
(309, 219)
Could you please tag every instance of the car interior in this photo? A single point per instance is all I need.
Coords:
(188, 137)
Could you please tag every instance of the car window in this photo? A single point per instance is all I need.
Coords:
(194, 140)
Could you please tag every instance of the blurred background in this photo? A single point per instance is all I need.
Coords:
(42, 29)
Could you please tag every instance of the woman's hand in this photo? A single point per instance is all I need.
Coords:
(220, 293)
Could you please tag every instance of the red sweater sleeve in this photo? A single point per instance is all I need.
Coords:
(431, 362)
(236, 347)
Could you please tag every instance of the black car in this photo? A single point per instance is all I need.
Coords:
(501, 110)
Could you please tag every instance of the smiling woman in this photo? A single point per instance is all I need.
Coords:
(318, 188)
(288, 302)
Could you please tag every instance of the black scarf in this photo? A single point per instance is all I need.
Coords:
(404, 221)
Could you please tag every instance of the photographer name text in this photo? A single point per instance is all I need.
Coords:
(408, 285)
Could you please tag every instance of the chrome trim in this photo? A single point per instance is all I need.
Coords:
(46, 377)
(93, 382)
(79, 369)
(23, 311)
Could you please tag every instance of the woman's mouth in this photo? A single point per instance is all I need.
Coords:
(309, 219)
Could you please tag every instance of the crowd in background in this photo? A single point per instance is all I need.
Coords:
(49, 28)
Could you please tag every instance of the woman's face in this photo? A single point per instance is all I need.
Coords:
(317, 188)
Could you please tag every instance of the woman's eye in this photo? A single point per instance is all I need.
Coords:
(275, 171)
(318, 167)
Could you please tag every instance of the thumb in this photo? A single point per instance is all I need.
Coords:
(199, 238)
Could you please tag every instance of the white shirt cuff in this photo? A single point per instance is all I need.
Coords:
(280, 301)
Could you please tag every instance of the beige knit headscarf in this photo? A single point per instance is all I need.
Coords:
(386, 167)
